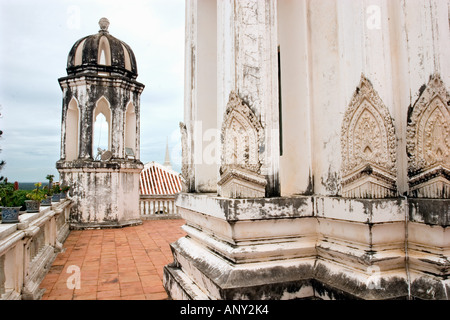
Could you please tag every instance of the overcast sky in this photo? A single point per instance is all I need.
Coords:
(35, 40)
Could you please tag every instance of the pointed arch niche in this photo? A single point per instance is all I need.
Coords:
(242, 135)
(104, 52)
(368, 145)
(428, 142)
(102, 126)
(72, 130)
(130, 127)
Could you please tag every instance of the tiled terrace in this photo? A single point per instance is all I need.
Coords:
(114, 264)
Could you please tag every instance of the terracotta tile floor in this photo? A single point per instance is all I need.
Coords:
(113, 264)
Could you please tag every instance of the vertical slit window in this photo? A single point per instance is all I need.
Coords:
(280, 105)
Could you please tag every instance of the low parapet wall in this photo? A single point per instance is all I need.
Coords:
(157, 207)
(28, 248)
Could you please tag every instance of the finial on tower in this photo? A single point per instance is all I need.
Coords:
(104, 24)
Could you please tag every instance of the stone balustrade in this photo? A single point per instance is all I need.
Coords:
(28, 248)
(158, 207)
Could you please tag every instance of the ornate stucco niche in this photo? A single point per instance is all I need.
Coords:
(368, 145)
(241, 139)
(428, 142)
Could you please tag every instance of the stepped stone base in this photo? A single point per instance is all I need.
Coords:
(204, 275)
(306, 248)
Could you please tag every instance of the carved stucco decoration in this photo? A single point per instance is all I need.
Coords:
(428, 142)
(368, 145)
(241, 138)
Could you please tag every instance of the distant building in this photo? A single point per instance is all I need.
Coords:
(157, 179)
(158, 186)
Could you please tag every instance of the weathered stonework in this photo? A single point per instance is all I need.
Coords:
(306, 247)
(368, 145)
(428, 142)
(241, 183)
(242, 138)
(103, 193)
(342, 217)
(309, 251)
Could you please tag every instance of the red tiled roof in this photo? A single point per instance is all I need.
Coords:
(156, 179)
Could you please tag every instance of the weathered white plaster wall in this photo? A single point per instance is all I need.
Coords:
(247, 42)
(325, 47)
(295, 98)
(325, 94)
(204, 94)
(103, 196)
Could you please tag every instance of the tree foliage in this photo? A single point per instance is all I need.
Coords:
(2, 162)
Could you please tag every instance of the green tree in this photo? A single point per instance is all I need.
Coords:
(50, 177)
(2, 162)
(49, 188)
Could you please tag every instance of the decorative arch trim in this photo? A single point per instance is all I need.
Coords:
(428, 142)
(368, 145)
(104, 52)
(78, 59)
(72, 130)
(127, 58)
(242, 137)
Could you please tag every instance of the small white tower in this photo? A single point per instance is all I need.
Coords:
(104, 178)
